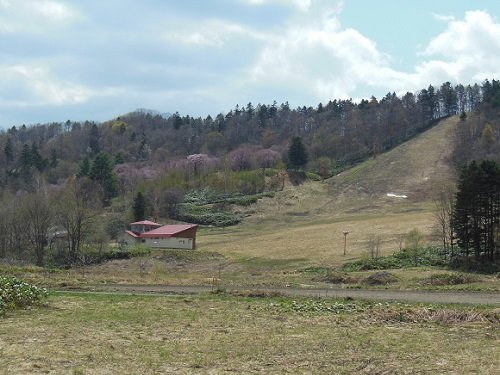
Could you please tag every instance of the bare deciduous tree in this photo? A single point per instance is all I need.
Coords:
(443, 204)
(374, 245)
(38, 214)
(413, 243)
(76, 209)
(400, 240)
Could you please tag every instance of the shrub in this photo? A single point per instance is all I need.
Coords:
(483, 266)
(18, 294)
(313, 176)
(206, 216)
(380, 278)
(330, 276)
(246, 200)
(449, 279)
(200, 196)
(428, 256)
(95, 256)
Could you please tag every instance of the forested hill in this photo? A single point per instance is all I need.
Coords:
(336, 134)
(86, 181)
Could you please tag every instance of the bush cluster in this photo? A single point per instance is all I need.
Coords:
(247, 200)
(207, 207)
(206, 216)
(95, 256)
(18, 294)
(200, 196)
(428, 256)
(91, 255)
(450, 279)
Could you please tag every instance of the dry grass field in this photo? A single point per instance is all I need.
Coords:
(216, 334)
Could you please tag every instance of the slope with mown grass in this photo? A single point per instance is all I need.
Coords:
(302, 226)
(412, 173)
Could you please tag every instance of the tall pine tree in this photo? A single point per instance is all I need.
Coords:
(101, 171)
(139, 207)
(9, 150)
(476, 215)
(297, 154)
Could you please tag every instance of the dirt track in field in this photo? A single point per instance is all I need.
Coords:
(486, 298)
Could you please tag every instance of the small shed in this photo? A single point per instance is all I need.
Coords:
(154, 235)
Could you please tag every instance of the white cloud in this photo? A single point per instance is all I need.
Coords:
(195, 38)
(33, 85)
(53, 10)
(303, 5)
(322, 58)
(477, 33)
(444, 18)
(35, 15)
(328, 61)
(213, 33)
(468, 48)
(208, 60)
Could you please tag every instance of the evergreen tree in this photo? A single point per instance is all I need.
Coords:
(448, 99)
(101, 172)
(476, 213)
(176, 120)
(84, 167)
(36, 159)
(297, 154)
(433, 102)
(94, 139)
(139, 207)
(26, 161)
(53, 158)
(9, 150)
(119, 158)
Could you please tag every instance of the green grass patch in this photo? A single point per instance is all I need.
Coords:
(429, 256)
(174, 255)
(317, 306)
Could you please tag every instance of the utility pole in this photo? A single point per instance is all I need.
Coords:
(345, 233)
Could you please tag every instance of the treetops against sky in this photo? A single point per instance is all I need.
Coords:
(64, 59)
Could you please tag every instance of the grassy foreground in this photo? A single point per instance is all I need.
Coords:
(104, 334)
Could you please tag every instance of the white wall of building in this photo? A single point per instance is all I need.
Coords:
(169, 243)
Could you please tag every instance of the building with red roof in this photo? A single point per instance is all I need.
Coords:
(154, 235)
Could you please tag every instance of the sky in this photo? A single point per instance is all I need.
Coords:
(98, 59)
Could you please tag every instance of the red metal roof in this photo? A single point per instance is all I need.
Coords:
(130, 233)
(168, 230)
(146, 222)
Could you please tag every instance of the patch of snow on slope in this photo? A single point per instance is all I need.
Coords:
(392, 195)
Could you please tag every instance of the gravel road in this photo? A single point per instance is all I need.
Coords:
(487, 298)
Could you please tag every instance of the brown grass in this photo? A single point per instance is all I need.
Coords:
(104, 334)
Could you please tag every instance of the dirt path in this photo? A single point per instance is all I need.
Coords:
(487, 298)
